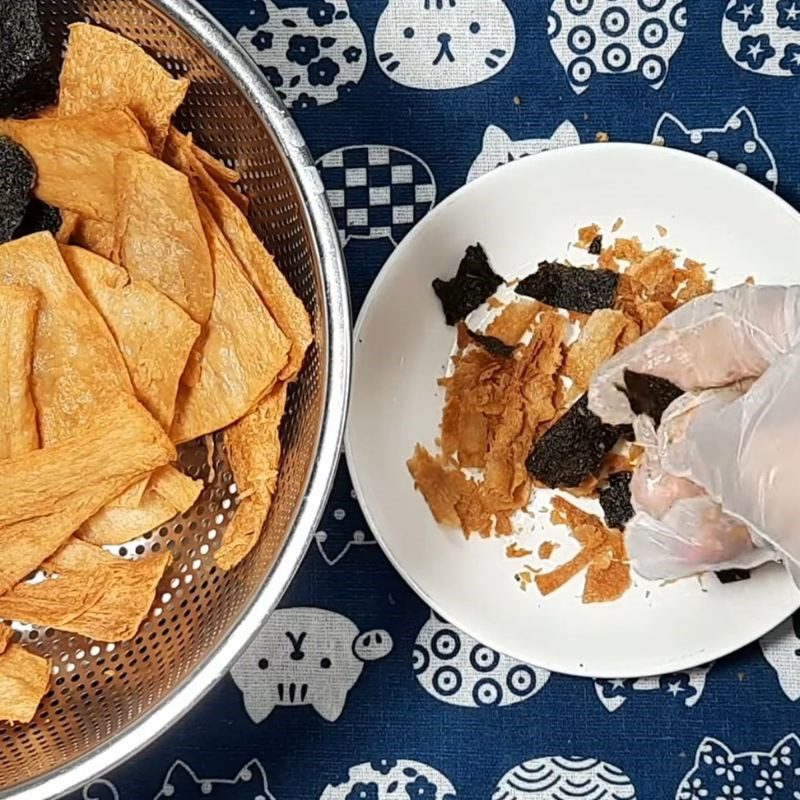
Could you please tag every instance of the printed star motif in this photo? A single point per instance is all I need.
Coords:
(675, 688)
(755, 50)
(789, 14)
(617, 685)
(791, 59)
(746, 13)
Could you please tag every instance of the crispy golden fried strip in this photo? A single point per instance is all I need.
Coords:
(18, 312)
(168, 493)
(154, 335)
(75, 157)
(118, 599)
(284, 305)
(254, 454)
(47, 494)
(6, 633)
(158, 236)
(104, 71)
(239, 356)
(24, 678)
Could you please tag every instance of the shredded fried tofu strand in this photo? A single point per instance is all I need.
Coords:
(24, 678)
(18, 312)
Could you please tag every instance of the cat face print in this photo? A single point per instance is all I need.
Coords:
(305, 656)
(444, 44)
(593, 37)
(737, 143)
(182, 783)
(499, 148)
(719, 772)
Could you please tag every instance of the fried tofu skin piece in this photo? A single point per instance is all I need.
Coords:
(117, 598)
(239, 356)
(158, 235)
(103, 71)
(18, 311)
(286, 308)
(24, 680)
(154, 335)
(169, 493)
(75, 157)
(48, 494)
(254, 454)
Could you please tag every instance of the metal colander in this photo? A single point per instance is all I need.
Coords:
(108, 701)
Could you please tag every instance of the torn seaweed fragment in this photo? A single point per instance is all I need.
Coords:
(474, 283)
(733, 575)
(615, 498)
(649, 395)
(492, 345)
(571, 288)
(573, 448)
(596, 247)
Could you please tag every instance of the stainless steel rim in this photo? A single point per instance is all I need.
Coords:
(260, 95)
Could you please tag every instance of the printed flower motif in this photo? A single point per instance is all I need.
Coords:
(789, 14)
(421, 789)
(353, 54)
(257, 14)
(755, 50)
(384, 766)
(363, 791)
(791, 59)
(746, 13)
(727, 767)
(694, 791)
(321, 12)
(323, 72)
(273, 76)
(263, 40)
(346, 88)
(732, 791)
(769, 781)
(302, 49)
(305, 102)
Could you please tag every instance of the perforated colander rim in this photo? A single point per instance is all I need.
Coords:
(335, 357)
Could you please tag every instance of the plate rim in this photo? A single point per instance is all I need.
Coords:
(685, 662)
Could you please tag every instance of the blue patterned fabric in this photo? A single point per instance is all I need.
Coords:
(354, 690)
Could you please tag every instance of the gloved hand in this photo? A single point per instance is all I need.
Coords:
(718, 487)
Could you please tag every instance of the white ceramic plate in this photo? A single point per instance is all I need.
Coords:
(523, 213)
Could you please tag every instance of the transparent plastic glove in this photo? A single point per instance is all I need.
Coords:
(710, 342)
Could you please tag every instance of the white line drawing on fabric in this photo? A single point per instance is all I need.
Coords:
(557, 778)
(781, 649)
(306, 657)
(444, 44)
(629, 36)
(100, 789)
(391, 780)
(763, 37)
(719, 772)
(687, 687)
(312, 54)
(737, 143)
(358, 539)
(499, 148)
(376, 191)
(456, 669)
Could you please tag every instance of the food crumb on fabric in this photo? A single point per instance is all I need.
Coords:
(602, 136)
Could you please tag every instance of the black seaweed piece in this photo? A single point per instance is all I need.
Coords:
(17, 179)
(28, 72)
(649, 395)
(474, 283)
(573, 448)
(497, 347)
(39, 217)
(733, 575)
(596, 247)
(615, 498)
(572, 288)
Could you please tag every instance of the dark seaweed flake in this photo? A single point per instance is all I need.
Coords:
(497, 347)
(733, 575)
(474, 283)
(596, 247)
(39, 217)
(28, 72)
(17, 179)
(573, 448)
(649, 395)
(615, 498)
(572, 288)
